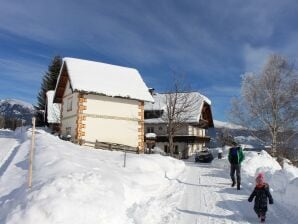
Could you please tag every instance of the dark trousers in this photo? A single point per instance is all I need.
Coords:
(235, 168)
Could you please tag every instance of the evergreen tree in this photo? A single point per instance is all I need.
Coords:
(49, 81)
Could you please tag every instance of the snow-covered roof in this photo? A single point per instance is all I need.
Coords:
(160, 104)
(53, 109)
(150, 135)
(110, 80)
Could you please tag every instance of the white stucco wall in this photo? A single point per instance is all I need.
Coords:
(160, 129)
(112, 120)
(69, 118)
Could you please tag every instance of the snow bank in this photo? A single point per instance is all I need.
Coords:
(283, 182)
(73, 184)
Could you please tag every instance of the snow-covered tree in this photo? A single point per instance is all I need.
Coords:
(269, 103)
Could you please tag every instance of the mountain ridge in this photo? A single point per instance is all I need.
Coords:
(16, 109)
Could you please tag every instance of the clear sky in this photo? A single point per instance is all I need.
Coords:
(211, 42)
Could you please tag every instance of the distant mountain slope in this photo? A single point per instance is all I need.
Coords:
(12, 108)
(222, 124)
(239, 133)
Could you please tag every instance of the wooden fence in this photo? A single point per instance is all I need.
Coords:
(115, 147)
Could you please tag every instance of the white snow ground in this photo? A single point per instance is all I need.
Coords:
(208, 198)
(73, 184)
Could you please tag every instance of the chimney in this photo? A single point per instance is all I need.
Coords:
(151, 91)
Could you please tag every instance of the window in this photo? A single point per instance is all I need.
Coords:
(153, 114)
(68, 130)
(176, 149)
(160, 128)
(69, 104)
(166, 149)
(150, 130)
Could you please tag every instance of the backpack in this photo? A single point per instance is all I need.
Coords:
(233, 156)
(233, 152)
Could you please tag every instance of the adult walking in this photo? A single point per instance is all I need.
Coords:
(235, 157)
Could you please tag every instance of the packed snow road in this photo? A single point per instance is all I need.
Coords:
(209, 198)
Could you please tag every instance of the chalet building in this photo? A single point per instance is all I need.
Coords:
(52, 112)
(101, 103)
(193, 136)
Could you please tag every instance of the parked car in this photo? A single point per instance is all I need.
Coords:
(204, 156)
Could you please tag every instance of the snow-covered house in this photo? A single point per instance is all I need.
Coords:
(101, 102)
(192, 137)
(52, 111)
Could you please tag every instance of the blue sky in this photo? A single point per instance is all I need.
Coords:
(212, 43)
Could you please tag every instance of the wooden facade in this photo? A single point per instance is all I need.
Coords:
(192, 136)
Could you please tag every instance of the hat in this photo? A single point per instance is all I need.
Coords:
(260, 179)
(234, 143)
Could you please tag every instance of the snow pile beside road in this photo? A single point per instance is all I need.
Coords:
(283, 181)
(73, 184)
(255, 163)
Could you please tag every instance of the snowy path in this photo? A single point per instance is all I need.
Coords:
(208, 198)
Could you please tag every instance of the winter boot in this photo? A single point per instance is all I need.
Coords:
(233, 183)
(238, 186)
(263, 218)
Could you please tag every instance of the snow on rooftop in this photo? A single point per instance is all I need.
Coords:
(150, 135)
(160, 104)
(110, 80)
(53, 109)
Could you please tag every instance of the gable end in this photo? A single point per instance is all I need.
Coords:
(61, 84)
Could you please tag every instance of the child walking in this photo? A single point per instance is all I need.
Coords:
(262, 194)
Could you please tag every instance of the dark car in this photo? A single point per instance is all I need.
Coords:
(204, 156)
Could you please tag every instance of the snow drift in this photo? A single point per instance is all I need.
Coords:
(73, 184)
(283, 181)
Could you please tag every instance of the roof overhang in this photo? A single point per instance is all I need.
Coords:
(62, 80)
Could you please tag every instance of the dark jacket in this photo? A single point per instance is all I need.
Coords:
(262, 195)
(236, 155)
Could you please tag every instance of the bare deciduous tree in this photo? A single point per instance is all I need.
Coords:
(180, 106)
(224, 137)
(269, 102)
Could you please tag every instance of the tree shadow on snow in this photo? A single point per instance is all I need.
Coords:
(233, 190)
(23, 164)
(190, 184)
(4, 167)
(243, 211)
(194, 164)
(219, 173)
(11, 200)
(233, 217)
